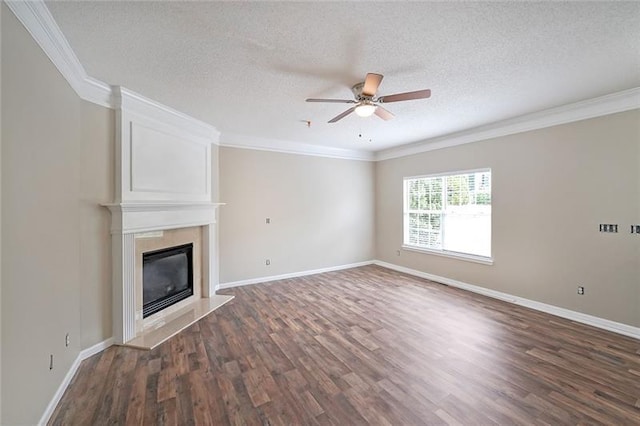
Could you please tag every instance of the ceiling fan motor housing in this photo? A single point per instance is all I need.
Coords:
(366, 103)
(357, 92)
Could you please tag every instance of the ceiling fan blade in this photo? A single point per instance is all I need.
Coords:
(383, 113)
(418, 94)
(371, 84)
(334, 101)
(343, 115)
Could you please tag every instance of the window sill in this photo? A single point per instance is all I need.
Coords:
(451, 254)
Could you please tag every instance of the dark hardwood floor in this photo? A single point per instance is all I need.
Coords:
(364, 346)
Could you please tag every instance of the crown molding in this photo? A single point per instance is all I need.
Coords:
(39, 22)
(583, 110)
(135, 103)
(36, 18)
(234, 140)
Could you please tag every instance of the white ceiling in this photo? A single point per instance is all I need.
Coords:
(247, 67)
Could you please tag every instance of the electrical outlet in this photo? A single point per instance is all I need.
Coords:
(635, 229)
(67, 340)
(267, 221)
(51, 362)
(580, 290)
(267, 262)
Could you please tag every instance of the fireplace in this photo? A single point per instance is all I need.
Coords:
(167, 277)
(164, 175)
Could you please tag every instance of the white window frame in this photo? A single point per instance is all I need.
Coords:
(487, 260)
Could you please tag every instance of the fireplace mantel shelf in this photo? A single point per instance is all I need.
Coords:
(143, 206)
(143, 216)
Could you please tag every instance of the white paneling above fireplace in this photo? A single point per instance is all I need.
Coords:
(187, 172)
(161, 155)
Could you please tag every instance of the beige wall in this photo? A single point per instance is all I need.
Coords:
(321, 212)
(96, 187)
(55, 167)
(551, 189)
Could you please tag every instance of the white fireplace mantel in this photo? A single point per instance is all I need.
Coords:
(164, 177)
(149, 216)
(129, 219)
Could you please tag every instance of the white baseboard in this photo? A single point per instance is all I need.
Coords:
(292, 275)
(84, 354)
(594, 321)
(98, 347)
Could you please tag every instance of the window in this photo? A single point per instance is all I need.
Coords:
(449, 214)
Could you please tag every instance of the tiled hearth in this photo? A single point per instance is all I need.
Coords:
(173, 323)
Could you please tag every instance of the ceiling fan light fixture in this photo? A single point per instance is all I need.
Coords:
(366, 102)
(365, 110)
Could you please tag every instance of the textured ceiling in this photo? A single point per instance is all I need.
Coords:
(247, 67)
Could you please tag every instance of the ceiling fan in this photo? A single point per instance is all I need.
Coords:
(366, 102)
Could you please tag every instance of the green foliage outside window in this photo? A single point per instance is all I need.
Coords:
(456, 199)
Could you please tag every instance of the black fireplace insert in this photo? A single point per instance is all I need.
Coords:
(167, 277)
